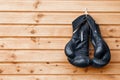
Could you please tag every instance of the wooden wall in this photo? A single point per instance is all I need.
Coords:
(33, 34)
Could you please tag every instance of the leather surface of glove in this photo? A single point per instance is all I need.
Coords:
(77, 49)
(102, 54)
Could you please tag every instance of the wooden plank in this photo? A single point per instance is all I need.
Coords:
(46, 43)
(58, 5)
(43, 56)
(55, 68)
(54, 18)
(51, 30)
(60, 77)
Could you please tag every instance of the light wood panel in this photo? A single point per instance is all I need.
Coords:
(58, 5)
(43, 56)
(55, 68)
(33, 34)
(61, 77)
(54, 18)
(51, 30)
(46, 43)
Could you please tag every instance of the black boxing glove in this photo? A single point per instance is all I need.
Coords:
(77, 49)
(102, 54)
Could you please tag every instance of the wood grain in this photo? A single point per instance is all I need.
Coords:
(58, 5)
(43, 56)
(60, 77)
(54, 17)
(55, 68)
(51, 30)
(33, 34)
(46, 43)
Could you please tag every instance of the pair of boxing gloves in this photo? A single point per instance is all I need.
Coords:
(85, 30)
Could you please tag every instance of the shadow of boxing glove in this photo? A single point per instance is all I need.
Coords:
(102, 54)
(77, 49)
